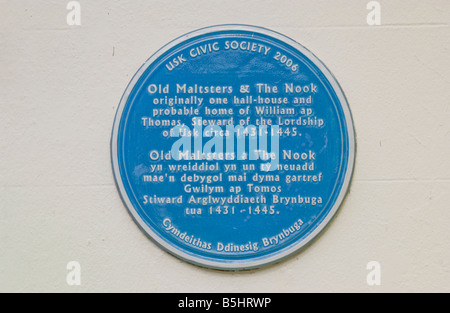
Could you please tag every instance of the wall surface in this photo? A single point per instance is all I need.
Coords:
(59, 90)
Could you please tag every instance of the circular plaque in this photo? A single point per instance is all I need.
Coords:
(233, 147)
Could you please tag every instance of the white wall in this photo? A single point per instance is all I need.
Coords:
(59, 89)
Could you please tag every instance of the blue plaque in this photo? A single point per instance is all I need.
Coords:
(233, 147)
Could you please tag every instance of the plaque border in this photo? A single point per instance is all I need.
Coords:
(284, 253)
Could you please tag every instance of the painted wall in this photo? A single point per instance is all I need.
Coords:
(59, 90)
